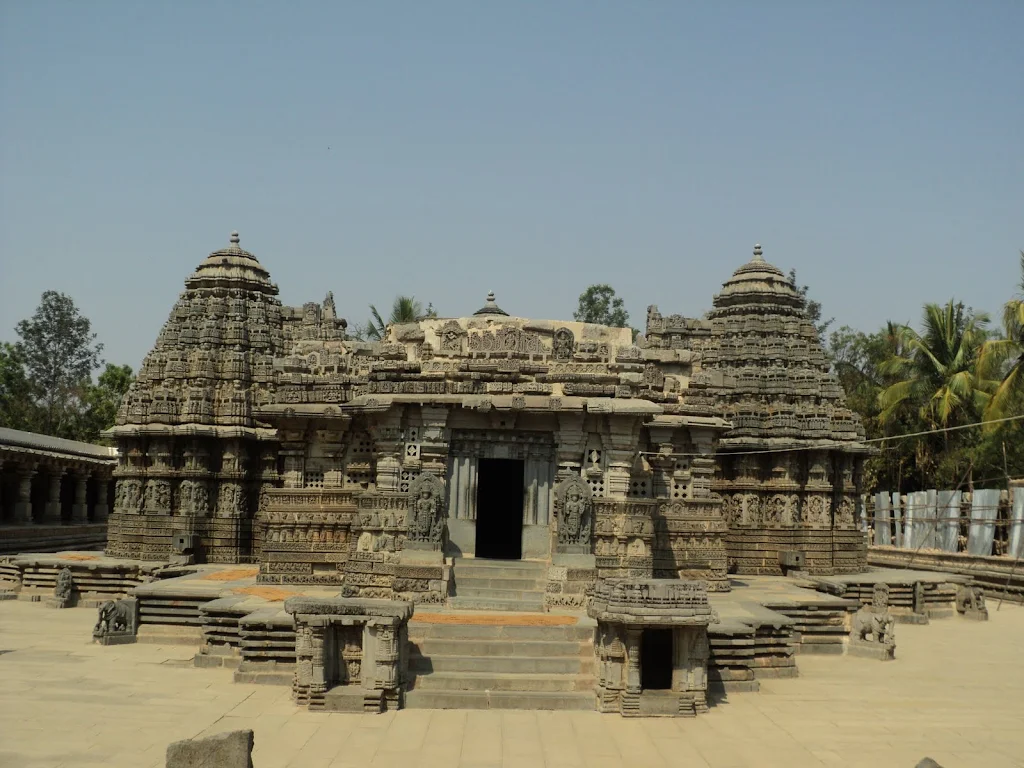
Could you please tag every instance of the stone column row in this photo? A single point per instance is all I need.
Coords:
(22, 507)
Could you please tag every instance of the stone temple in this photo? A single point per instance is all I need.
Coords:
(383, 524)
(263, 433)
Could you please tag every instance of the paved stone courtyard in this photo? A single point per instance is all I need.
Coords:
(953, 694)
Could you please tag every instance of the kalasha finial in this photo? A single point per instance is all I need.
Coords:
(490, 297)
(234, 237)
(757, 252)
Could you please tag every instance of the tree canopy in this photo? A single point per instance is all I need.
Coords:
(599, 304)
(46, 377)
(404, 309)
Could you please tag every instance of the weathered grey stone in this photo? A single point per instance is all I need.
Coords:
(224, 750)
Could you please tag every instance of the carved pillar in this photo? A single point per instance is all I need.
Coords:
(633, 660)
(702, 467)
(51, 513)
(571, 441)
(620, 442)
(80, 508)
(101, 510)
(23, 505)
(386, 432)
(318, 628)
(434, 439)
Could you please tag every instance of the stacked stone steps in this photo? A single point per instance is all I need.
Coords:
(499, 585)
(472, 666)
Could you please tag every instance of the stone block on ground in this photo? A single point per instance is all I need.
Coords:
(225, 750)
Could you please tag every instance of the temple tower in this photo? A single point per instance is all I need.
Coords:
(789, 470)
(194, 462)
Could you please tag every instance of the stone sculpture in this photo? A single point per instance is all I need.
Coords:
(63, 589)
(873, 628)
(970, 603)
(117, 622)
(574, 515)
(426, 511)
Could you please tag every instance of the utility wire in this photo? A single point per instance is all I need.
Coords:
(836, 444)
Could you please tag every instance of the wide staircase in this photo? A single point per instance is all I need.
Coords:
(497, 649)
(499, 585)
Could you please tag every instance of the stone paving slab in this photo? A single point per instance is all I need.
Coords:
(66, 702)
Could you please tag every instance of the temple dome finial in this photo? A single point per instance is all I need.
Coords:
(490, 307)
(235, 238)
(757, 253)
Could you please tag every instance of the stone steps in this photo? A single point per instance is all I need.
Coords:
(515, 665)
(496, 647)
(499, 585)
(517, 662)
(496, 604)
(489, 681)
(533, 700)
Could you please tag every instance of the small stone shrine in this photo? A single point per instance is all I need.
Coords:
(350, 652)
(652, 646)
(873, 628)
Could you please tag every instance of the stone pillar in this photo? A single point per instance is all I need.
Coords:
(80, 508)
(51, 514)
(633, 678)
(23, 505)
(318, 683)
(101, 510)
(571, 442)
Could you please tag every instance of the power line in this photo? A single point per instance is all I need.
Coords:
(804, 447)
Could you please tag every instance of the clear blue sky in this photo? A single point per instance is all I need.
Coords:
(444, 149)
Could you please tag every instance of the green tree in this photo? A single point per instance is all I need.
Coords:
(936, 370)
(404, 309)
(599, 304)
(101, 401)
(814, 310)
(60, 352)
(17, 408)
(1002, 360)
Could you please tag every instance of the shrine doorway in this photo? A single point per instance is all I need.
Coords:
(499, 509)
(656, 659)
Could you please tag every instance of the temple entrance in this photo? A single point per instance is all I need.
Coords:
(499, 509)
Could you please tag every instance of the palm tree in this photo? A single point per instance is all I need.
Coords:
(936, 371)
(1003, 359)
(405, 309)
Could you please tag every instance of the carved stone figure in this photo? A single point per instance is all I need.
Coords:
(116, 622)
(426, 510)
(562, 344)
(873, 627)
(970, 603)
(63, 588)
(574, 512)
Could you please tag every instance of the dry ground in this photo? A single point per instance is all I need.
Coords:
(955, 693)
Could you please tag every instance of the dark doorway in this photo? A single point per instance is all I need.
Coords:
(656, 659)
(499, 509)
